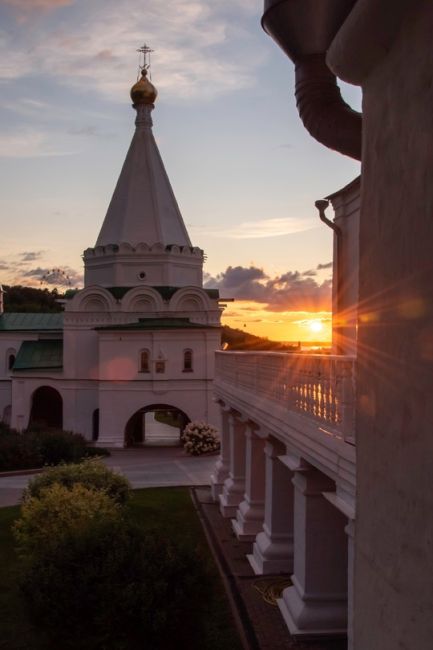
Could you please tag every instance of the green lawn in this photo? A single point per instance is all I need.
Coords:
(168, 509)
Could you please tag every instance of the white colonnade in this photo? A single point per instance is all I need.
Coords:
(286, 507)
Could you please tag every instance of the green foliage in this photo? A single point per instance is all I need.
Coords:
(36, 448)
(18, 451)
(56, 513)
(28, 299)
(170, 512)
(56, 446)
(91, 473)
(90, 572)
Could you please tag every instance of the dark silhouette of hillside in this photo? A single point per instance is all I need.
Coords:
(234, 339)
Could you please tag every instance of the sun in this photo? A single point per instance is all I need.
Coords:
(316, 325)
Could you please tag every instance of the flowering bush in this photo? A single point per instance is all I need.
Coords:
(199, 438)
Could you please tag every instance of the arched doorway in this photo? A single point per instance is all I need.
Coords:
(95, 425)
(47, 408)
(155, 425)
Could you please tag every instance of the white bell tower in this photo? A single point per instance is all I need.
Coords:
(143, 240)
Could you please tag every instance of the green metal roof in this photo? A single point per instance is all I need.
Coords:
(40, 355)
(20, 322)
(165, 292)
(158, 324)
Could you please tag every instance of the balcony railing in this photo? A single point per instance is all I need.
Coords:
(316, 385)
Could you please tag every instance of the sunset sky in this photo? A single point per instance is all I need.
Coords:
(244, 170)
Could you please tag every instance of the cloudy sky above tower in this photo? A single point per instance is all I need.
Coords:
(244, 170)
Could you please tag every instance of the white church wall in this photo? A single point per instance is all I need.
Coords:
(80, 354)
(10, 343)
(118, 403)
(5, 399)
(80, 399)
(158, 266)
(345, 287)
(119, 354)
(22, 393)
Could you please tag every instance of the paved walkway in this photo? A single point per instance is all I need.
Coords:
(149, 467)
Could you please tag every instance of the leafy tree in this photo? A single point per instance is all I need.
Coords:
(28, 299)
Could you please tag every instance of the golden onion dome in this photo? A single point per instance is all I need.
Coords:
(143, 92)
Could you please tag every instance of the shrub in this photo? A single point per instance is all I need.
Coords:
(199, 438)
(55, 445)
(90, 472)
(57, 512)
(37, 447)
(114, 585)
(17, 451)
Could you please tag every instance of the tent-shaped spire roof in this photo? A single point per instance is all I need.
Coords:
(143, 207)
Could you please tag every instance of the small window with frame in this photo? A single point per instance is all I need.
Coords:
(144, 361)
(187, 361)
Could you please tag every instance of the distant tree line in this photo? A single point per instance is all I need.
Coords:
(28, 299)
(239, 340)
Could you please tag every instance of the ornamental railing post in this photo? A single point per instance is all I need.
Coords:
(347, 407)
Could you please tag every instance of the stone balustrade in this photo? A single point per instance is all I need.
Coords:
(286, 477)
(319, 386)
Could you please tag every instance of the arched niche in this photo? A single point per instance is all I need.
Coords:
(190, 299)
(94, 304)
(142, 299)
(92, 299)
(47, 408)
(126, 248)
(10, 357)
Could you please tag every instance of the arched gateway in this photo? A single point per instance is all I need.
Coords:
(155, 425)
(47, 408)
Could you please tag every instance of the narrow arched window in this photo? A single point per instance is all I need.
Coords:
(10, 359)
(144, 361)
(187, 361)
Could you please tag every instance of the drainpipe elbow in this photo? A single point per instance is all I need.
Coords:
(324, 113)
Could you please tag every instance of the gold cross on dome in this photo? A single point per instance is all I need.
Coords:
(145, 50)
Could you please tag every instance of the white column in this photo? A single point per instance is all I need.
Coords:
(273, 548)
(251, 511)
(234, 485)
(316, 604)
(21, 405)
(222, 466)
